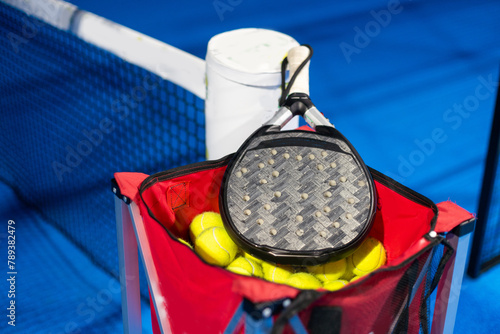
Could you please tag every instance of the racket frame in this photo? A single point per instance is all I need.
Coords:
(296, 104)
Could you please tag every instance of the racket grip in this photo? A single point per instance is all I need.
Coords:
(295, 57)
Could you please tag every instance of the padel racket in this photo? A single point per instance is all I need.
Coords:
(297, 197)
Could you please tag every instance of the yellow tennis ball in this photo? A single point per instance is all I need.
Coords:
(348, 275)
(368, 257)
(303, 281)
(253, 258)
(242, 265)
(276, 273)
(215, 246)
(335, 285)
(329, 271)
(204, 221)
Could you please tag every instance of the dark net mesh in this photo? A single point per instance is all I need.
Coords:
(426, 305)
(485, 252)
(72, 115)
(490, 252)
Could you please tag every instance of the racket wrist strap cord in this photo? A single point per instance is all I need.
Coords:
(296, 104)
(279, 197)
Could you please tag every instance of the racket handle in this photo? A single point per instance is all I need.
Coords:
(295, 57)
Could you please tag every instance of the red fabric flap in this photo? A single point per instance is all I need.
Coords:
(450, 216)
(129, 184)
(258, 290)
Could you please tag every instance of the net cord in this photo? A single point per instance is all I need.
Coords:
(166, 61)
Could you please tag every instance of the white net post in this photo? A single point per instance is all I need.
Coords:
(243, 69)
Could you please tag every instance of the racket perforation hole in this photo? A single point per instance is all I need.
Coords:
(298, 157)
(286, 156)
(348, 215)
(299, 232)
(263, 181)
(332, 183)
(304, 196)
(333, 165)
(311, 157)
(273, 231)
(327, 194)
(277, 194)
(342, 179)
(274, 152)
(270, 161)
(275, 173)
(350, 201)
(336, 224)
(244, 170)
(361, 183)
(247, 212)
(238, 174)
(323, 234)
(260, 221)
(326, 209)
(299, 218)
(267, 207)
(324, 154)
(246, 198)
(320, 167)
(318, 214)
(261, 165)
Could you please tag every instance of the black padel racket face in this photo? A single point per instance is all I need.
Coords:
(297, 197)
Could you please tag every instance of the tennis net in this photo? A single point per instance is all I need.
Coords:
(79, 101)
